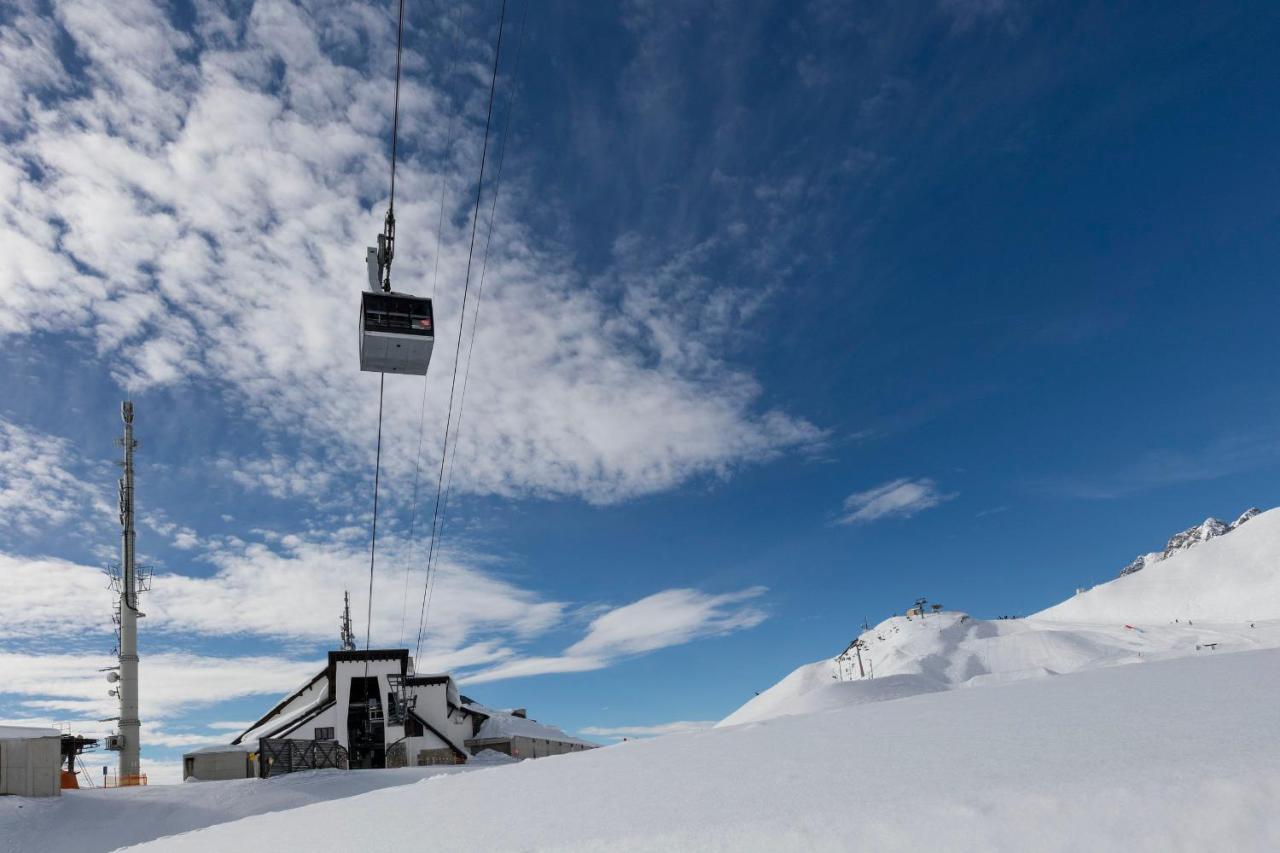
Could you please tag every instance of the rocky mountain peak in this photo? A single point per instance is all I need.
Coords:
(1210, 528)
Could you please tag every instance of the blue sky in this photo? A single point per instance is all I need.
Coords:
(792, 313)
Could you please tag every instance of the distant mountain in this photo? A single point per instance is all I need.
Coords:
(1208, 593)
(1211, 528)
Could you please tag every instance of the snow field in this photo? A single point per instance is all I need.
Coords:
(98, 820)
(1176, 755)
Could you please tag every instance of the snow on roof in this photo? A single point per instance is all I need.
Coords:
(504, 725)
(250, 746)
(281, 721)
(23, 732)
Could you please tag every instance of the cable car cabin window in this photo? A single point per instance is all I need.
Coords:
(399, 315)
(397, 333)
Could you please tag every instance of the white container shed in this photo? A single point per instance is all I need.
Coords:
(30, 761)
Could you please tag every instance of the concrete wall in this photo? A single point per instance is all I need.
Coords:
(31, 767)
(519, 746)
(429, 749)
(211, 766)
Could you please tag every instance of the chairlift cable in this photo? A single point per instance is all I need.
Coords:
(466, 287)
(475, 317)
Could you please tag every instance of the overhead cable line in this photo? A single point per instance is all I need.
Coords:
(475, 317)
(387, 244)
(373, 546)
(466, 287)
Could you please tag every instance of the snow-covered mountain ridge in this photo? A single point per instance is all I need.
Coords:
(1210, 528)
(1222, 595)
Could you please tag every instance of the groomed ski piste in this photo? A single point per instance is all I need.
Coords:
(1140, 715)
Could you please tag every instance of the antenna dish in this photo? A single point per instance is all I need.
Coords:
(113, 676)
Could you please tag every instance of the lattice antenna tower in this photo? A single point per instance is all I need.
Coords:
(348, 637)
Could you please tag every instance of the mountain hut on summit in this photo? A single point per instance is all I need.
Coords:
(369, 709)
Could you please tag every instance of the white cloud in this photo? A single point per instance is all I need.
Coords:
(674, 728)
(162, 772)
(200, 206)
(900, 498)
(668, 618)
(479, 625)
(289, 592)
(36, 488)
(230, 725)
(65, 685)
(50, 598)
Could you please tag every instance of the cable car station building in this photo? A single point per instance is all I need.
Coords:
(371, 710)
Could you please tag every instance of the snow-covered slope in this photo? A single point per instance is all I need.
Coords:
(1222, 595)
(950, 650)
(1169, 756)
(1232, 578)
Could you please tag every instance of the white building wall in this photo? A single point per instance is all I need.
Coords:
(344, 671)
(31, 766)
(433, 706)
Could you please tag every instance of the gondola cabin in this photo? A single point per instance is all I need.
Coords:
(397, 332)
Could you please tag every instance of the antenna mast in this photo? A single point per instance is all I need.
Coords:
(128, 743)
(348, 636)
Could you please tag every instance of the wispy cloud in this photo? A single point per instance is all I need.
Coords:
(665, 619)
(37, 490)
(69, 685)
(1152, 469)
(675, 728)
(193, 190)
(481, 627)
(967, 14)
(901, 498)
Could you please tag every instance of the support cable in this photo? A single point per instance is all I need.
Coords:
(387, 249)
(475, 317)
(395, 107)
(466, 287)
(373, 544)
